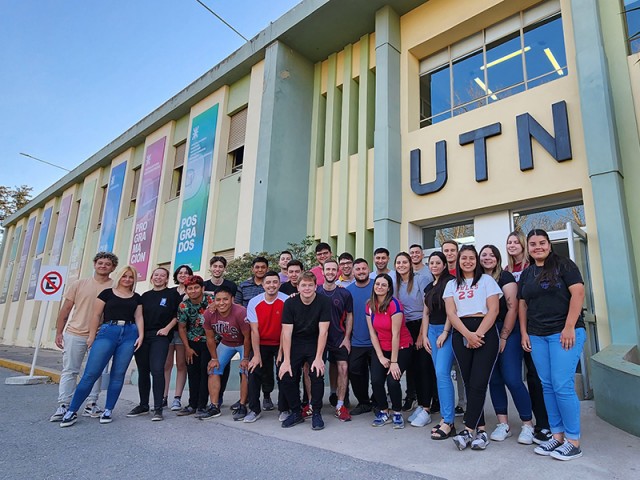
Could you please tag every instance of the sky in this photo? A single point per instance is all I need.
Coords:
(76, 74)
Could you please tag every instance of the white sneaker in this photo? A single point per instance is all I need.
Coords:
(422, 419)
(176, 405)
(92, 410)
(415, 413)
(480, 442)
(526, 435)
(284, 415)
(501, 433)
(59, 415)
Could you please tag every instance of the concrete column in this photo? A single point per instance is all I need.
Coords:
(282, 171)
(605, 171)
(387, 199)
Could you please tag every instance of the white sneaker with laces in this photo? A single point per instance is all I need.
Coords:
(526, 435)
(481, 441)
(501, 433)
(422, 419)
(284, 415)
(176, 405)
(59, 415)
(92, 410)
(415, 413)
(567, 451)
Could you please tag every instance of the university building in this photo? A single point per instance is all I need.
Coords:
(369, 123)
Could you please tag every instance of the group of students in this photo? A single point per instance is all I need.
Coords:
(372, 326)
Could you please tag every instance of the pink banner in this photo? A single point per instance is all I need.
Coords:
(146, 208)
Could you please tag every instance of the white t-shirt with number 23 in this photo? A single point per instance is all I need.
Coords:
(469, 299)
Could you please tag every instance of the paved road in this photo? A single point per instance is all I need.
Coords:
(32, 447)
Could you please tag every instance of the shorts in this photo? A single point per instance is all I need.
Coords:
(337, 354)
(225, 354)
(176, 340)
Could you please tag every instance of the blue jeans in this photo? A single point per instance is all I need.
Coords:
(557, 368)
(508, 372)
(443, 360)
(111, 341)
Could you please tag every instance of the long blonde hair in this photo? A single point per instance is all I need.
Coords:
(523, 243)
(120, 274)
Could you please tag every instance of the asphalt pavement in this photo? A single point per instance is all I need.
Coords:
(184, 447)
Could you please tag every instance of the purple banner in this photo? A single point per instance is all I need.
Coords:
(61, 227)
(22, 266)
(146, 208)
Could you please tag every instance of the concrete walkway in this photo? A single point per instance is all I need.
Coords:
(608, 452)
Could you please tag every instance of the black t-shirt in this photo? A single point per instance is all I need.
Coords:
(505, 279)
(159, 307)
(548, 305)
(437, 316)
(210, 287)
(306, 318)
(118, 308)
(288, 289)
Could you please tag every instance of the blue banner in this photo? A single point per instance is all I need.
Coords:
(112, 208)
(44, 230)
(197, 180)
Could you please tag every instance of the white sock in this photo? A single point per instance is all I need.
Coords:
(339, 404)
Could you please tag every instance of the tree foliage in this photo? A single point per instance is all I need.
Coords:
(239, 269)
(13, 199)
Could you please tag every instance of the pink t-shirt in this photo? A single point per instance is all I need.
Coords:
(232, 329)
(382, 325)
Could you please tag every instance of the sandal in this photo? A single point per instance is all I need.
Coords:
(436, 428)
(440, 434)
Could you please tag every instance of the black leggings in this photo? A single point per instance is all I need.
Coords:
(150, 359)
(359, 366)
(261, 375)
(420, 368)
(379, 374)
(476, 366)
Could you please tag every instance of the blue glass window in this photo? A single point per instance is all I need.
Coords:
(632, 14)
(435, 96)
(545, 55)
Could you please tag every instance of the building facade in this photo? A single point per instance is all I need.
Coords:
(377, 123)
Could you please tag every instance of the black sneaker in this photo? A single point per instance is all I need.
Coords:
(157, 416)
(333, 399)
(267, 404)
(435, 406)
(459, 411)
(69, 419)
(567, 451)
(106, 416)
(188, 410)
(316, 421)
(240, 413)
(211, 412)
(294, 419)
(138, 410)
(165, 401)
(361, 408)
(235, 406)
(541, 436)
(546, 448)
(409, 404)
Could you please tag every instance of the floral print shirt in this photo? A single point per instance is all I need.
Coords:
(191, 314)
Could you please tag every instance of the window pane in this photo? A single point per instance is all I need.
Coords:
(435, 93)
(633, 24)
(506, 93)
(504, 63)
(546, 53)
(468, 80)
(433, 237)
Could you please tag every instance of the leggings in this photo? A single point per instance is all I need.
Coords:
(420, 368)
(476, 366)
(150, 359)
(379, 374)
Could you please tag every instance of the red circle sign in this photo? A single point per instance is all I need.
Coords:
(51, 283)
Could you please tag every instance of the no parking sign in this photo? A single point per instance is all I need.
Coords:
(50, 283)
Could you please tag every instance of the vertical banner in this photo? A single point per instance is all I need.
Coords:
(196, 189)
(24, 255)
(12, 259)
(44, 231)
(33, 278)
(146, 208)
(112, 208)
(61, 228)
(82, 226)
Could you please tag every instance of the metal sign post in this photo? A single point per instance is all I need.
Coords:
(50, 286)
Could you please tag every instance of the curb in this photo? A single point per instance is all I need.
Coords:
(25, 368)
